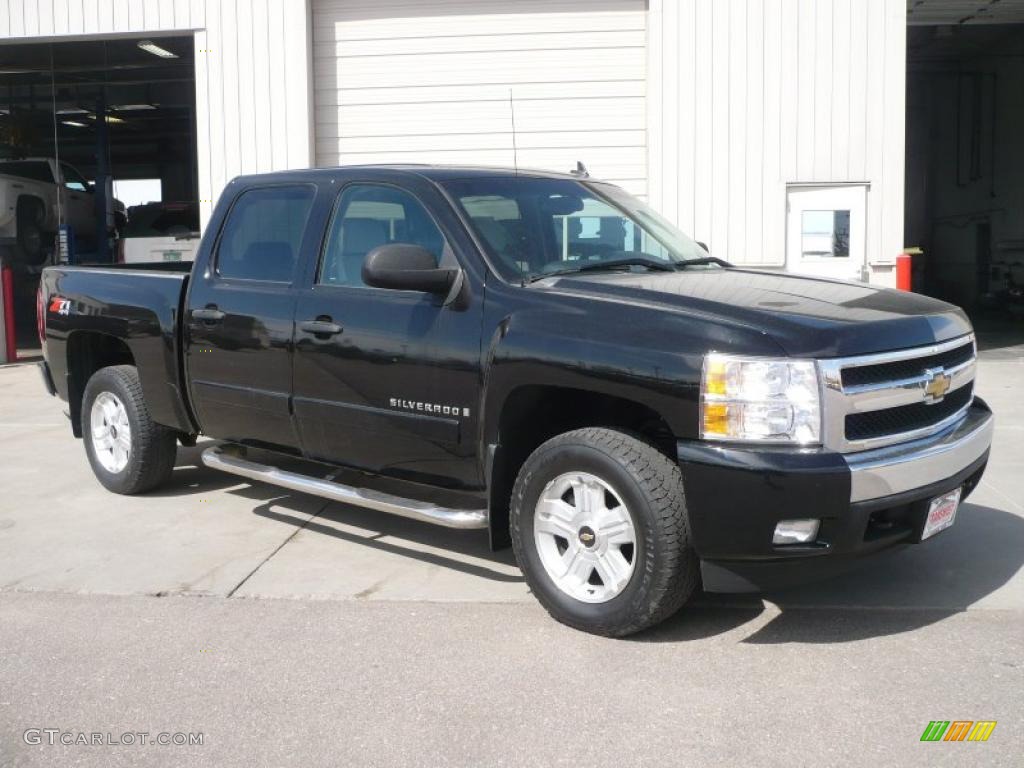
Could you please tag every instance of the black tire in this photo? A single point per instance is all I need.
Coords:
(30, 235)
(153, 447)
(665, 571)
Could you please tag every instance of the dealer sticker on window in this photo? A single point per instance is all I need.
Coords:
(941, 513)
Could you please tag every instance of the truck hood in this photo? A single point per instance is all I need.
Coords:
(807, 317)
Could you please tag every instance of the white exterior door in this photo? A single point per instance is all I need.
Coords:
(825, 231)
(429, 82)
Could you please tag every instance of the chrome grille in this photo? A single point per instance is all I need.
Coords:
(877, 400)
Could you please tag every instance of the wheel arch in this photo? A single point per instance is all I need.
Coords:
(88, 352)
(530, 414)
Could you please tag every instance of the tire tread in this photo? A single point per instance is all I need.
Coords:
(659, 479)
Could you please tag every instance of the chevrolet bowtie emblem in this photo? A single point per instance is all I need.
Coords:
(936, 386)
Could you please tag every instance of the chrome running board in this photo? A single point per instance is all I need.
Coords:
(220, 457)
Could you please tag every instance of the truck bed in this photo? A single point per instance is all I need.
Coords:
(137, 308)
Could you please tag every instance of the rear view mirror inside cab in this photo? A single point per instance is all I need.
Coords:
(562, 205)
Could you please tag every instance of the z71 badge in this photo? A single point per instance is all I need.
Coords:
(60, 306)
(436, 408)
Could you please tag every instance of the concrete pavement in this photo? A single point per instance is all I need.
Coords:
(404, 644)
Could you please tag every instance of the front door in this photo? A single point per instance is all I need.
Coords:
(825, 231)
(386, 380)
(240, 314)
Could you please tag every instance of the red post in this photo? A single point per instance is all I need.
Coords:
(7, 281)
(903, 268)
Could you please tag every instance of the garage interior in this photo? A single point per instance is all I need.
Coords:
(121, 111)
(965, 154)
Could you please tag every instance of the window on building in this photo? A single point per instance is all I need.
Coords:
(825, 234)
(263, 233)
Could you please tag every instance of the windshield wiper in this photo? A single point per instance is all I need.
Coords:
(660, 266)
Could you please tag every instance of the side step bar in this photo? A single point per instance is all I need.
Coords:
(220, 457)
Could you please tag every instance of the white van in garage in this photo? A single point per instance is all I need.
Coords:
(161, 232)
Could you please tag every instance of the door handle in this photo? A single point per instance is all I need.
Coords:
(322, 326)
(208, 315)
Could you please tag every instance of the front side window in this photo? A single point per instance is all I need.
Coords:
(73, 179)
(263, 233)
(534, 226)
(368, 216)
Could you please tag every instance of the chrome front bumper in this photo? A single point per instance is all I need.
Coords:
(899, 468)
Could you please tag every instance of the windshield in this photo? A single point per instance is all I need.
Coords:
(533, 226)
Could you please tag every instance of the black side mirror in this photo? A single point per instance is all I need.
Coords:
(704, 246)
(406, 267)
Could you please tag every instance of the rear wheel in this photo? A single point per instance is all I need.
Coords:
(599, 527)
(128, 451)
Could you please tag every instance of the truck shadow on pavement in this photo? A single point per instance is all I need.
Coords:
(398, 536)
(894, 592)
(376, 530)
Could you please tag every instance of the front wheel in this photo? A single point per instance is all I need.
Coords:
(128, 451)
(600, 530)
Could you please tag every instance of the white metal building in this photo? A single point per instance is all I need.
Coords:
(769, 129)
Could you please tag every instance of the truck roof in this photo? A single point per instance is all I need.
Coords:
(424, 170)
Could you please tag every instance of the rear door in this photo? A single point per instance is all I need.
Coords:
(391, 381)
(240, 315)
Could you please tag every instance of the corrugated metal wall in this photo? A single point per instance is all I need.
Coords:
(745, 97)
(408, 80)
(252, 71)
(728, 102)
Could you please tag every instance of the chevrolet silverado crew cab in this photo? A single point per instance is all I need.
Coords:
(539, 355)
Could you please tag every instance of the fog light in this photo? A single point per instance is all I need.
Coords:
(796, 531)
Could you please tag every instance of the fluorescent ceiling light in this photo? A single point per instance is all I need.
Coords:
(150, 47)
(110, 118)
(74, 123)
(131, 107)
(73, 111)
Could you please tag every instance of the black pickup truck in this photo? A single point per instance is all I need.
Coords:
(537, 354)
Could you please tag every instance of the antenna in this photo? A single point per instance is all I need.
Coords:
(580, 170)
(515, 153)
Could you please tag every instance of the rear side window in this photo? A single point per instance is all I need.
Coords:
(28, 169)
(162, 220)
(263, 233)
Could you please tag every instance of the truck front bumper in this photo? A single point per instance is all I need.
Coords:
(866, 501)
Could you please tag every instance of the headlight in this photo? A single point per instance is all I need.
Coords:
(759, 399)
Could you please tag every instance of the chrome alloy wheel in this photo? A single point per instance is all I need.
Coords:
(585, 537)
(111, 433)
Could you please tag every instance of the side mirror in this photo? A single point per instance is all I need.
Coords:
(704, 246)
(406, 267)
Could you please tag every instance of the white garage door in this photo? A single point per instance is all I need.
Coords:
(430, 80)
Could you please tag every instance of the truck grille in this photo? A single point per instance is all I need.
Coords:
(906, 418)
(906, 369)
(877, 400)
